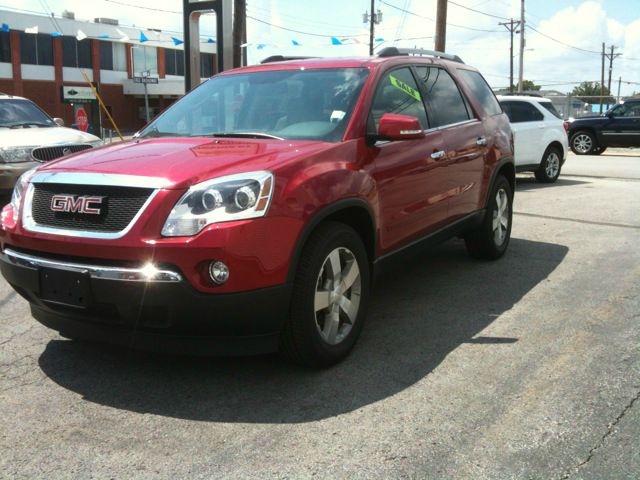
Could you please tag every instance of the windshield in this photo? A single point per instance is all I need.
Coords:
(300, 104)
(16, 113)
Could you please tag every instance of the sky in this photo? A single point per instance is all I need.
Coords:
(563, 41)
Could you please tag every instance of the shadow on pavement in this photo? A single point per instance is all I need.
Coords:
(421, 311)
(530, 183)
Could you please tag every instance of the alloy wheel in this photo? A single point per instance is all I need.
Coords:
(501, 217)
(553, 165)
(583, 143)
(337, 296)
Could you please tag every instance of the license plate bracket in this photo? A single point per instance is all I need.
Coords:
(70, 288)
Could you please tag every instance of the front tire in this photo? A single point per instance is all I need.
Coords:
(330, 296)
(490, 240)
(549, 169)
(583, 143)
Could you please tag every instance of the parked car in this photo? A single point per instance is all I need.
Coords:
(540, 136)
(29, 137)
(618, 127)
(250, 216)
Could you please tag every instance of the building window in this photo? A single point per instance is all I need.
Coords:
(76, 54)
(5, 47)
(174, 61)
(145, 59)
(206, 65)
(36, 49)
(113, 56)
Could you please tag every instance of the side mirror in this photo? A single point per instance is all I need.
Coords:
(59, 121)
(399, 127)
(610, 114)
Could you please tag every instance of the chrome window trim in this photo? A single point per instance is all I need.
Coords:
(31, 225)
(95, 271)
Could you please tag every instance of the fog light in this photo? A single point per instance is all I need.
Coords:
(218, 272)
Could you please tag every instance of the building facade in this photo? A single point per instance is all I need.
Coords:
(40, 65)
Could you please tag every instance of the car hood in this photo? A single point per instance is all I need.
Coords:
(181, 162)
(592, 119)
(35, 137)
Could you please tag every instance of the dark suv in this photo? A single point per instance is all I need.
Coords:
(619, 127)
(251, 215)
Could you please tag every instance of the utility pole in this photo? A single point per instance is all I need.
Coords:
(522, 43)
(602, 76)
(372, 19)
(619, 83)
(611, 56)
(441, 26)
(511, 27)
(239, 32)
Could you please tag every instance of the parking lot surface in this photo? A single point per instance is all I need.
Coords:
(528, 367)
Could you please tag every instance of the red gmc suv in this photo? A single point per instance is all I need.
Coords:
(250, 216)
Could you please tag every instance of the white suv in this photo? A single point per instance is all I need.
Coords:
(30, 137)
(540, 135)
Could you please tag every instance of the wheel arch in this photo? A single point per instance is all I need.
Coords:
(507, 168)
(354, 212)
(560, 147)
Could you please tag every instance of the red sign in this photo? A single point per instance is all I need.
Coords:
(81, 119)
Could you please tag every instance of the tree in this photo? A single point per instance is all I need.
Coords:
(589, 92)
(527, 86)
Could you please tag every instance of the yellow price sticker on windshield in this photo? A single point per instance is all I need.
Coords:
(412, 92)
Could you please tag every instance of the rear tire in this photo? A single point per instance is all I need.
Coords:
(549, 169)
(490, 240)
(583, 143)
(330, 296)
(599, 150)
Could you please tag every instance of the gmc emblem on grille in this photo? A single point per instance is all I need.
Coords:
(76, 204)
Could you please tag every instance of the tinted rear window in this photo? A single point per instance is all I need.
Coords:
(481, 91)
(549, 106)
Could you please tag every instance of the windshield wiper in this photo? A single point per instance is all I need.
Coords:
(241, 135)
(27, 124)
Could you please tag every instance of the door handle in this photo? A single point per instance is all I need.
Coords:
(481, 141)
(438, 154)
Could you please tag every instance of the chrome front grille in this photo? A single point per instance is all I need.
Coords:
(46, 154)
(119, 207)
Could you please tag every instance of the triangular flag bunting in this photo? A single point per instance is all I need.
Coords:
(261, 46)
(295, 43)
(211, 40)
(81, 35)
(176, 41)
(104, 36)
(335, 41)
(56, 34)
(123, 36)
(33, 29)
(5, 27)
(143, 38)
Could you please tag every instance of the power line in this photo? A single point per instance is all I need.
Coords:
(560, 41)
(477, 11)
(433, 20)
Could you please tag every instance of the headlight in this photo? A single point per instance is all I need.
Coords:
(96, 143)
(18, 191)
(16, 154)
(224, 199)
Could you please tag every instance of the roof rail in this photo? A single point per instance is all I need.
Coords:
(395, 52)
(282, 58)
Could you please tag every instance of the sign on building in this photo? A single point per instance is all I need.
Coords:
(77, 95)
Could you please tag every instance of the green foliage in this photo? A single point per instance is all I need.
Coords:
(589, 92)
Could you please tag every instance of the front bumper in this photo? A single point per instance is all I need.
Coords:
(10, 172)
(151, 309)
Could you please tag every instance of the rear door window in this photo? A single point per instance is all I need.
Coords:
(520, 112)
(397, 93)
(481, 91)
(444, 99)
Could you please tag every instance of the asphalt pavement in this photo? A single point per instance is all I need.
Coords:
(528, 367)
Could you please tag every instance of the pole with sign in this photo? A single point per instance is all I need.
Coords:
(145, 80)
